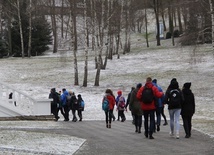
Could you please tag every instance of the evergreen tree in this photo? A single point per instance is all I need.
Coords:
(41, 37)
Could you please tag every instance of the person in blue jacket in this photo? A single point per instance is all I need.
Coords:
(65, 105)
(159, 106)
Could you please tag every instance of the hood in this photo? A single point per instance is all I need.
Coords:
(53, 90)
(174, 85)
(186, 91)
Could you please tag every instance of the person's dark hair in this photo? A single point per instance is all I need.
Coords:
(148, 79)
(63, 89)
(109, 91)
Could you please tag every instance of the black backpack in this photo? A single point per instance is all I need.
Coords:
(147, 95)
(175, 97)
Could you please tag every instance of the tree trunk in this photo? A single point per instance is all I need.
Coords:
(86, 46)
(74, 24)
(171, 27)
(20, 28)
(156, 10)
(30, 29)
(179, 18)
(94, 26)
(162, 15)
(54, 27)
(62, 20)
(146, 25)
(212, 20)
(119, 28)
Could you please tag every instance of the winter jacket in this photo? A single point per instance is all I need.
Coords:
(117, 102)
(155, 92)
(159, 101)
(74, 103)
(111, 100)
(79, 100)
(167, 97)
(134, 103)
(54, 96)
(188, 106)
(63, 97)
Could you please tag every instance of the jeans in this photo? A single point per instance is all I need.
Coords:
(149, 128)
(174, 115)
(158, 115)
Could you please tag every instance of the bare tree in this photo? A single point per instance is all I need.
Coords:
(212, 20)
(146, 25)
(86, 46)
(156, 10)
(30, 29)
(20, 27)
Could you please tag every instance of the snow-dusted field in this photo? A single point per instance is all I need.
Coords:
(37, 75)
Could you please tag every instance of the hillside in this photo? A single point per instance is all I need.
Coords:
(37, 75)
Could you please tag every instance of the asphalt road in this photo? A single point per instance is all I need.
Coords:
(121, 139)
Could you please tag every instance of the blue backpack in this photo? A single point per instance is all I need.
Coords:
(105, 104)
(82, 104)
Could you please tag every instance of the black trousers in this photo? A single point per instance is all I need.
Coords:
(80, 114)
(138, 121)
(149, 125)
(66, 110)
(187, 123)
(121, 114)
(109, 115)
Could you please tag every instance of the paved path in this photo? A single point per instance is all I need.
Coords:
(122, 140)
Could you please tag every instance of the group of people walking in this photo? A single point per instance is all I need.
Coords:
(149, 99)
(66, 101)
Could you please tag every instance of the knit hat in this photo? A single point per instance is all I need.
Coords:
(139, 85)
(154, 81)
(187, 85)
(119, 92)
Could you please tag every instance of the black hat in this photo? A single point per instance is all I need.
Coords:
(187, 85)
(139, 85)
(154, 81)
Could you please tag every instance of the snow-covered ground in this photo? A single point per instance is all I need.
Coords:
(37, 75)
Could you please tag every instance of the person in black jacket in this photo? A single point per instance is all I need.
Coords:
(128, 104)
(54, 95)
(80, 106)
(74, 106)
(174, 99)
(187, 108)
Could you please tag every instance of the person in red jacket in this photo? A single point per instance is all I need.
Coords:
(149, 108)
(109, 113)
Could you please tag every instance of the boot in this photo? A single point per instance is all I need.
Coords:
(136, 128)
(158, 127)
(139, 130)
